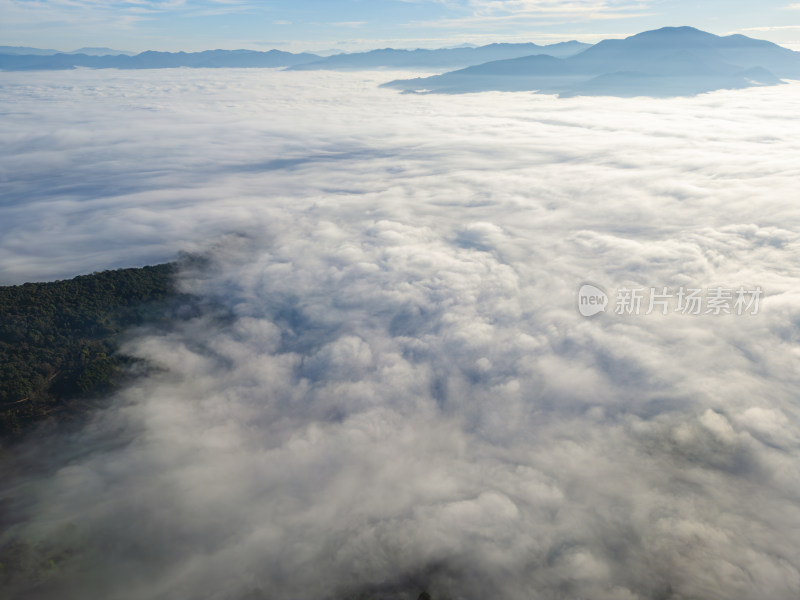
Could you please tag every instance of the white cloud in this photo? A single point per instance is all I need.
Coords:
(84, 18)
(521, 7)
(348, 24)
(500, 13)
(401, 394)
(772, 28)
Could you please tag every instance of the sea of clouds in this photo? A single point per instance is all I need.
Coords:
(395, 391)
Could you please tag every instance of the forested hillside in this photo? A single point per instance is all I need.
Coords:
(59, 340)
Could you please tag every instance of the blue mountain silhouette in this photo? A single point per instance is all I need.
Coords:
(155, 60)
(446, 58)
(28, 59)
(673, 61)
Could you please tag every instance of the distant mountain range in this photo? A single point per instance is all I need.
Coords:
(155, 60)
(673, 61)
(446, 58)
(41, 51)
(29, 59)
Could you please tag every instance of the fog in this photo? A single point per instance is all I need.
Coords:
(394, 390)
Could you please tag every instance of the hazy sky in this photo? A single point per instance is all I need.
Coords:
(356, 24)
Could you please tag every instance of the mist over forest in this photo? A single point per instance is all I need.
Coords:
(383, 385)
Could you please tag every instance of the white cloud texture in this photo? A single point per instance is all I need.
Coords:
(396, 391)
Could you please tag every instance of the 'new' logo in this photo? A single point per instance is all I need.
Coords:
(591, 300)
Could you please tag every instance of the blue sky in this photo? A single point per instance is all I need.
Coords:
(360, 24)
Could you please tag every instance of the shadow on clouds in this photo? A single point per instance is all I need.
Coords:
(399, 394)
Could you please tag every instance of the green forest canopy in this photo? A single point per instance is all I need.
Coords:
(59, 341)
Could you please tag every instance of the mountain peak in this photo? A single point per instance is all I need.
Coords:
(666, 62)
(675, 33)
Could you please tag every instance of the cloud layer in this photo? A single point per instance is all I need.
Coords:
(397, 392)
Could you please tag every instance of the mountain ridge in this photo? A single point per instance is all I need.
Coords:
(91, 51)
(446, 57)
(391, 58)
(666, 62)
(151, 59)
